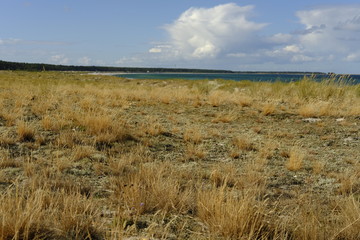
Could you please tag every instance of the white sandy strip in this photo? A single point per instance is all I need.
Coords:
(106, 73)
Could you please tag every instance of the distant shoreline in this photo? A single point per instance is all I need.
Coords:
(242, 76)
(5, 65)
(214, 73)
(107, 73)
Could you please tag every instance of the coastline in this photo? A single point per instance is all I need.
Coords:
(106, 73)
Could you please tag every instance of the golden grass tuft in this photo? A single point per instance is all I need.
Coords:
(193, 135)
(80, 152)
(152, 127)
(6, 140)
(318, 167)
(26, 132)
(68, 139)
(243, 143)
(216, 98)
(40, 213)
(233, 215)
(268, 109)
(47, 123)
(243, 101)
(7, 162)
(224, 174)
(194, 152)
(296, 159)
(96, 124)
(314, 110)
(350, 219)
(150, 189)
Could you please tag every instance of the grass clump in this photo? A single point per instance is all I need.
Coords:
(234, 215)
(40, 213)
(296, 159)
(25, 132)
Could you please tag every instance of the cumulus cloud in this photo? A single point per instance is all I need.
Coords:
(209, 32)
(155, 50)
(280, 38)
(292, 48)
(59, 59)
(330, 33)
(334, 29)
(84, 61)
(353, 57)
(225, 35)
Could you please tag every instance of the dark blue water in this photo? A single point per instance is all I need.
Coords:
(258, 77)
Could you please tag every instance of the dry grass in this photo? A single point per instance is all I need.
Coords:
(318, 109)
(225, 117)
(268, 109)
(80, 152)
(152, 126)
(233, 216)
(149, 189)
(296, 159)
(100, 157)
(40, 213)
(25, 132)
(193, 135)
(243, 143)
(318, 167)
(7, 162)
(350, 219)
(6, 141)
(194, 152)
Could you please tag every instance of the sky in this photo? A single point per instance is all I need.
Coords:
(249, 35)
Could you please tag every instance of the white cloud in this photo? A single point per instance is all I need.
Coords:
(209, 32)
(59, 59)
(237, 55)
(302, 58)
(330, 34)
(332, 29)
(353, 57)
(280, 38)
(292, 48)
(84, 61)
(225, 32)
(224, 36)
(129, 61)
(155, 50)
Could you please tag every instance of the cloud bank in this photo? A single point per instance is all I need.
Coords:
(331, 31)
(226, 35)
(209, 32)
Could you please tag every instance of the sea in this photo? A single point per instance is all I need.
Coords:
(257, 77)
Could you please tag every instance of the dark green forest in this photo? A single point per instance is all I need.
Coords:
(5, 65)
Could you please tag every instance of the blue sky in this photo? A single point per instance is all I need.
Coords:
(279, 35)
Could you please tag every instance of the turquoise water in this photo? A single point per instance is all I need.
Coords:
(269, 77)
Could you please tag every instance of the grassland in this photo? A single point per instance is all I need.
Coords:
(100, 157)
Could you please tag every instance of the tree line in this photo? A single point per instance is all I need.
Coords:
(5, 65)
